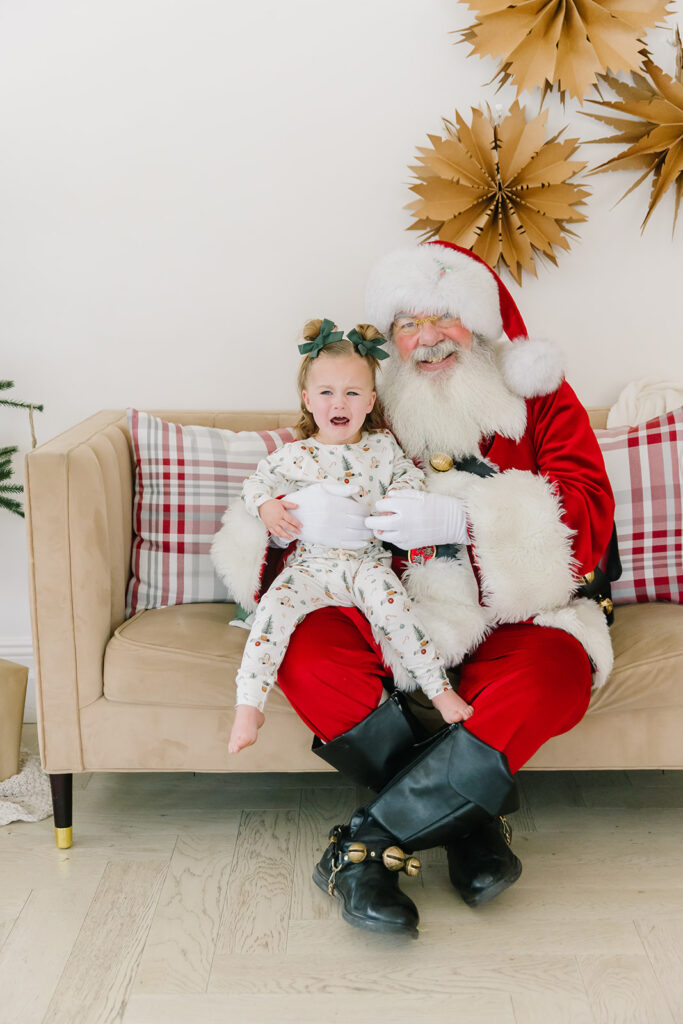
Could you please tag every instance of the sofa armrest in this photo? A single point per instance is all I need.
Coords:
(79, 497)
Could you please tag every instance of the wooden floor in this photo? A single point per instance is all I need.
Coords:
(189, 899)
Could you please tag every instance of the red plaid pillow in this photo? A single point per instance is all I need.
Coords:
(645, 465)
(185, 477)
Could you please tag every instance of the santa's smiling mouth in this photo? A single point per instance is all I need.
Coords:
(428, 358)
(437, 362)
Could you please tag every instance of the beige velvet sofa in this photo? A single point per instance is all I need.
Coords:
(156, 692)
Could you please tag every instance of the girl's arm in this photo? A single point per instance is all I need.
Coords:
(405, 474)
(266, 482)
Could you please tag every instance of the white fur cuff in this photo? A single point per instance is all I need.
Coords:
(444, 596)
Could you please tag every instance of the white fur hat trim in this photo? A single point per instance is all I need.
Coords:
(439, 280)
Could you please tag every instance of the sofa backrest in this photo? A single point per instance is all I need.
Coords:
(598, 417)
(271, 420)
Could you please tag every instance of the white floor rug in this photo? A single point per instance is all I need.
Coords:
(26, 795)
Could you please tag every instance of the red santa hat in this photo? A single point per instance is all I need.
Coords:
(440, 277)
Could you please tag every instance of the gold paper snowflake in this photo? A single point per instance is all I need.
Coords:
(499, 189)
(652, 127)
(563, 42)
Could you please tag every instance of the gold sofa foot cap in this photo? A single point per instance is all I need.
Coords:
(64, 837)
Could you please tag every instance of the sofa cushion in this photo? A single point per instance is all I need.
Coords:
(648, 655)
(185, 477)
(644, 464)
(183, 655)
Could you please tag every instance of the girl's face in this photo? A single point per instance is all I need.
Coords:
(339, 396)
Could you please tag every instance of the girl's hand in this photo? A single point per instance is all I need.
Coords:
(278, 520)
(245, 728)
(452, 707)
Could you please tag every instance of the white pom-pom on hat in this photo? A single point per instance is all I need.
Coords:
(530, 366)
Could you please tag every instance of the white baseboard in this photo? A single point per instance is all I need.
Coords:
(20, 649)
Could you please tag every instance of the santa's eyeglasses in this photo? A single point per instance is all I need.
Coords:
(408, 326)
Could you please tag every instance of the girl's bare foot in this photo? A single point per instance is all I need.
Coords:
(452, 707)
(245, 728)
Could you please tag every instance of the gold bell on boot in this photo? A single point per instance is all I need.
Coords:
(395, 859)
(356, 853)
(412, 866)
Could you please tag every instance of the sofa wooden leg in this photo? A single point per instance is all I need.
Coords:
(62, 790)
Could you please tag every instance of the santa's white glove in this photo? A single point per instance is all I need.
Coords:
(419, 519)
(329, 515)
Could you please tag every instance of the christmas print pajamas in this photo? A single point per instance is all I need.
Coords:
(316, 576)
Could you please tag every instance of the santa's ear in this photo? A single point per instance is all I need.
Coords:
(530, 366)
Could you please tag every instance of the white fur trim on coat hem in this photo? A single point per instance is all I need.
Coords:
(444, 596)
(239, 552)
(586, 622)
(521, 545)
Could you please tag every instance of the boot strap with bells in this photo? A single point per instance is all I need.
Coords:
(355, 852)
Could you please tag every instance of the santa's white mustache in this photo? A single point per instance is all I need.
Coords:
(434, 352)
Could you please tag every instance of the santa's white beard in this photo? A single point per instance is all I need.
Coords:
(449, 410)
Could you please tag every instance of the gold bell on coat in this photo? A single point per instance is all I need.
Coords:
(441, 462)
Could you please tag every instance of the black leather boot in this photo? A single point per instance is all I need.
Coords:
(360, 868)
(454, 786)
(372, 752)
(481, 865)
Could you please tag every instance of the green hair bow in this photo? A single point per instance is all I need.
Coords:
(368, 348)
(326, 336)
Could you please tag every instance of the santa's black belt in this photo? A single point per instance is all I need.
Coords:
(418, 556)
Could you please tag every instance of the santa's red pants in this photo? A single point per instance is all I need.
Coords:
(526, 683)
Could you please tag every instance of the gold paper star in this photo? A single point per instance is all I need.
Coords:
(499, 189)
(563, 42)
(652, 126)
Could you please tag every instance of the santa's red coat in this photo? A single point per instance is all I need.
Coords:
(541, 522)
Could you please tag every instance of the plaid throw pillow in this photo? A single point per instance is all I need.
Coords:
(184, 479)
(645, 467)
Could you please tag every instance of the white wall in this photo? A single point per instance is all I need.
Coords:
(184, 182)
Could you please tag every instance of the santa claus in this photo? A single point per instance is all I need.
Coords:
(517, 512)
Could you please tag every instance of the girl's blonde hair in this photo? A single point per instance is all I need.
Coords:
(335, 349)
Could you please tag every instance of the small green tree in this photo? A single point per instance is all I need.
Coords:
(7, 489)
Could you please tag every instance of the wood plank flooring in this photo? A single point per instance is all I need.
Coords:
(188, 898)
